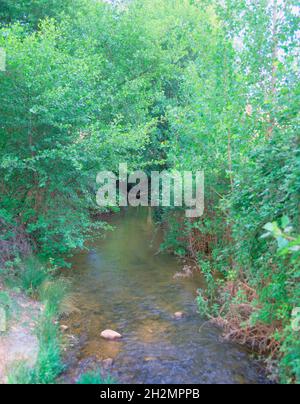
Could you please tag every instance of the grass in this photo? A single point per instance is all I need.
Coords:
(55, 294)
(32, 275)
(49, 364)
(20, 374)
(95, 377)
(6, 302)
(37, 281)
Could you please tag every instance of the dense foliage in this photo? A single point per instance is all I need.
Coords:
(180, 84)
(31, 12)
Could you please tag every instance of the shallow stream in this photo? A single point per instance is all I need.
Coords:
(123, 284)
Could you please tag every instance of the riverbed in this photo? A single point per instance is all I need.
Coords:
(123, 283)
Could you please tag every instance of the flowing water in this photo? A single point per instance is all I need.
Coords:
(124, 285)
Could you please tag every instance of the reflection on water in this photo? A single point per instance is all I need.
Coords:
(124, 285)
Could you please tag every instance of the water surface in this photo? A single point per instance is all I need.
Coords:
(123, 284)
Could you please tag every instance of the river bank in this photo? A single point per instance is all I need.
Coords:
(18, 337)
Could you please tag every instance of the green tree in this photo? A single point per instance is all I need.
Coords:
(31, 12)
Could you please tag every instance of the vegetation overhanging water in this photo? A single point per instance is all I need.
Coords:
(183, 85)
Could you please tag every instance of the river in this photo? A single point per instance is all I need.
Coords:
(123, 284)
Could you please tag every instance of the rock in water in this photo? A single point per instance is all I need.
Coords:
(150, 359)
(111, 335)
(178, 315)
(107, 363)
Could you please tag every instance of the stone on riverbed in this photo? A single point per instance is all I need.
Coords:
(150, 359)
(111, 335)
(178, 315)
(107, 363)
